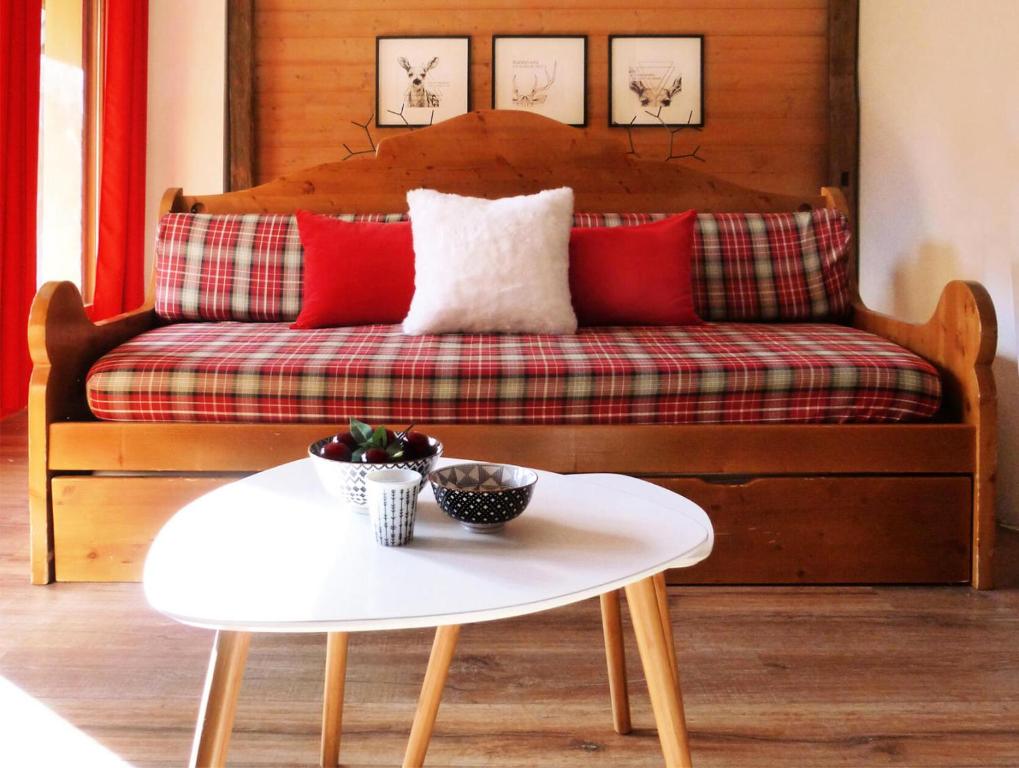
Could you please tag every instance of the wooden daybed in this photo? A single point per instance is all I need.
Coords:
(861, 503)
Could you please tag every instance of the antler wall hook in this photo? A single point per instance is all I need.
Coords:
(366, 127)
(367, 132)
(671, 131)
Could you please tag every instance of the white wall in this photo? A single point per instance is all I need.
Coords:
(187, 86)
(939, 162)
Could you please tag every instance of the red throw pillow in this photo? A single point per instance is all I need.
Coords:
(355, 273)
(634, 275)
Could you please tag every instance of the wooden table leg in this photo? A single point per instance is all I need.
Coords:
(431, 695)
(663, 686)
(219, 699)
(663, 611)
(332, 698)
(612, 628)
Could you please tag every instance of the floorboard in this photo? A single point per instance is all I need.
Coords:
(772, 676)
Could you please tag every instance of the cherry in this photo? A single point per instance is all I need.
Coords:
(417, 444)
(375, 456)
(336, 452)
(347, 439)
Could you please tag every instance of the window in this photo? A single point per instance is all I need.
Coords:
(70, 114)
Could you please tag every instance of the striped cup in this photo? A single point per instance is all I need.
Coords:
(392, 504)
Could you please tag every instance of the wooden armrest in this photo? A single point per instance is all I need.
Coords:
(960, 339)
(64, 344)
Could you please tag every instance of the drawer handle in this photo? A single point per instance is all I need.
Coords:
(728, 479)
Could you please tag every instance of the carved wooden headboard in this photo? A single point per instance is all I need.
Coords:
(494, 154)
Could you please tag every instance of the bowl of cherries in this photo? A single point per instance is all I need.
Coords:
(343, 461)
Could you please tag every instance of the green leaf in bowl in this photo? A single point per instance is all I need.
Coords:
(362, 432)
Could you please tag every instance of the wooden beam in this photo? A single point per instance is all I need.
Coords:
(240, 80)
(844, 106)
(93, 63)
(637, 449)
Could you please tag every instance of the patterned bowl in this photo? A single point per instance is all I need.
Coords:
(483, 497)
(345, 479)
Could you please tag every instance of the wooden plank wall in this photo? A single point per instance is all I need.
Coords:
(766, 75)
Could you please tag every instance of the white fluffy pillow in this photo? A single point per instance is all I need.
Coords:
(491, 265)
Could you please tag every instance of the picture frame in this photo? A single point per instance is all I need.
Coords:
(422, 79)
(656, 79)
(524, 79)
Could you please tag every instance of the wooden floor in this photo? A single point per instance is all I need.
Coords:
(772, 676)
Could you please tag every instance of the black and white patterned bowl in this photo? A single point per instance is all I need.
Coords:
(345, 479)
(483, 497)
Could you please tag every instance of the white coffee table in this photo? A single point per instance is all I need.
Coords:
(274, 553)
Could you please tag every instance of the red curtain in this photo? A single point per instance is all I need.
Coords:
(120, 278)
(20, 32)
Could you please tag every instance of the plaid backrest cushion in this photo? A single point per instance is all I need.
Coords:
(232, 266)
(228, 267)
(747, 266)
(755, 267)
(779, 266)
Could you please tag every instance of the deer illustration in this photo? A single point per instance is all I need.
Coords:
(660, 94)
(417, 95)
(537, 95)
(643, 92)
(665, 94)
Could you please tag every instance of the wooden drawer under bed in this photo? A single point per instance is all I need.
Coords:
(832, 530)
(103, 526)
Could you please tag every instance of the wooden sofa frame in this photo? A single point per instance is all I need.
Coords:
(861, 503)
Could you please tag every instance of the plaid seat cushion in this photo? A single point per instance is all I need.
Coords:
(746, 267)
(714, 373)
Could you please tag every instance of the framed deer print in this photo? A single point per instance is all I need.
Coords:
(544, 74)
(421, 80)
(656, 80)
